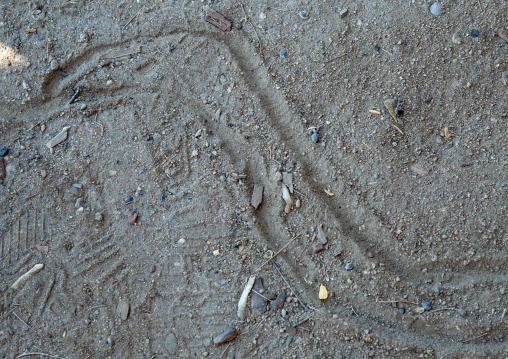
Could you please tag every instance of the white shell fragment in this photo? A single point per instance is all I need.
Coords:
(285, 194)
(62, 136)
(242, 303)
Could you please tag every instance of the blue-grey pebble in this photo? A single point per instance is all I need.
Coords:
(110, 341)
(128, 199)
(435, 9)
(426, 305)
(349, 266)
(79, 203)
(3, 151)
(314, 137)
(283, 53)
(303, 14)
(461, 312)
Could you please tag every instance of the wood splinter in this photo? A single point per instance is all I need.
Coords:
(21, 280)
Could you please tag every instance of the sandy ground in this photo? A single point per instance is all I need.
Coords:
(142, 214)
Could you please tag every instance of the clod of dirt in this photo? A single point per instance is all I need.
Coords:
(226, 336)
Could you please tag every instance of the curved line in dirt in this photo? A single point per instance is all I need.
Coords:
(277, 110)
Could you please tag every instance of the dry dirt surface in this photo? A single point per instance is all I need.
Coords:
(141, 214)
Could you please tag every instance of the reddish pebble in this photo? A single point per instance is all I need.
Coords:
(132, 219)
(18, 25)
(53, 65)
(152, 268)
(340, 144)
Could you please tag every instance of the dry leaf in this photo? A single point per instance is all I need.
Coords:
(330, 194)
(44, 249)
(446, 132)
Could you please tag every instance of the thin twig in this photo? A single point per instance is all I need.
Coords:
(398, 129)
(133, 17)
(32, 196)
(261, 295)
(440, 309)
(395, 301)
(294, 293)
(254, 28)
(478, 337)
(332, 59)
(73, 97)
(276, 254)
(22, 321)
(41, 354)
(224, 352)
(117, 57)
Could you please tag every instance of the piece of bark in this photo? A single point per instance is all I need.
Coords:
(278, 303)
(321, 235)
(62, 136)
(217, 19)
(257, 301)
(3, 173)
(287, 178)
(257, 196)
(225, 337)
(317, 248)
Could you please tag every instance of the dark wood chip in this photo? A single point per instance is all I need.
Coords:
(3, 173)
(225, 337)
(279, 302)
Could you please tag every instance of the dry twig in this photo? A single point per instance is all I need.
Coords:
(276, 254)
(246, 18)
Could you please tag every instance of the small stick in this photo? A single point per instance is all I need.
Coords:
(73, 97)
(261, 295)
(26, 232)
(19, 227)
(22, 321)
(35, 225)
(37, 124)
(41, 354)
(32, 196)
(301, 303)
(332, 59)
(224, 352)
(21, 280)
(398, 129)
(97, 306)
(440, 309)
(254, 28)
(10, 242)
(242, 303)
(395, 301)
(117, 57)
(276, 254)
(133, 17)
(478, 337)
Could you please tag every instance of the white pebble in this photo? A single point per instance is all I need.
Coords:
(435, 9)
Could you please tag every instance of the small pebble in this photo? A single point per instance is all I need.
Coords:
(53, 65)
(343, 13)
(98, 216)
(426, 305)
(340, 143)
(128, 199)
(349, 266)
(420, 310)
(402, 310)
(399, 111)
(110, 341)
(314, 136)
(474, 33)
(132, 219)
(435, 9)
(77, 185)
(283, 53)
(226, 336)
(3, 151)
(317, 248)
(79, 203)
(152, 268)
(461, 312)
(303, 14)
(377, 48)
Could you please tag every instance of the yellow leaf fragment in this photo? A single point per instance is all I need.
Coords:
(216, 252)
(323, 292)
(330, 194)
(375, 112)
(446, 133)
